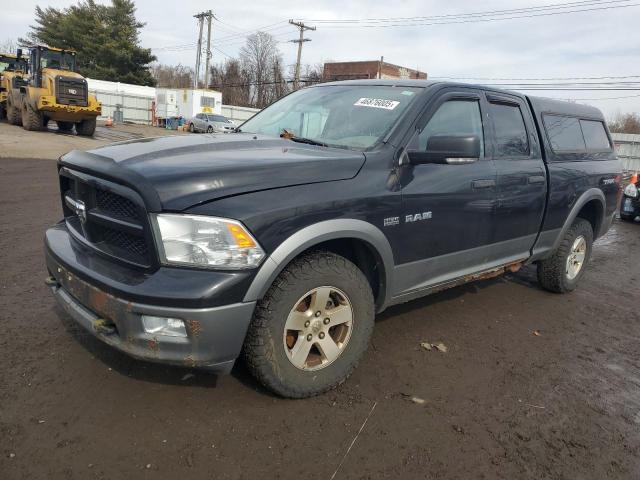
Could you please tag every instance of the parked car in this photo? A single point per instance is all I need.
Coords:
(283, 240)
(210, 123)
(630, 206)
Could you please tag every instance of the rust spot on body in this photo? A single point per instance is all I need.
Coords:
(154, 345)
(195, 327)
(189, 361)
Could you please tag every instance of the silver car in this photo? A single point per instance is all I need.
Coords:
(210, 123)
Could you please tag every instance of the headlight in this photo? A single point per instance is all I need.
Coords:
(206, 242)
(631, 190)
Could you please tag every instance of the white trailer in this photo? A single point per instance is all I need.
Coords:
(134, 103)
(174, 103)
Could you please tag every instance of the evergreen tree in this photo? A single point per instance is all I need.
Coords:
(105, 37)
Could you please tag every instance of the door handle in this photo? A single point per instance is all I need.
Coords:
(536, 179)
(479, 184)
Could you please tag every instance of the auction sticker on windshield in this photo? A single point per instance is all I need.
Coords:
(377, 103)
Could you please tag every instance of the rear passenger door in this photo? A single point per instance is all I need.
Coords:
(521, 176)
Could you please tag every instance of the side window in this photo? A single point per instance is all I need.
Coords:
(564, 133)
(455, 117)
(207, 101)
(511, 133)
(595, 135)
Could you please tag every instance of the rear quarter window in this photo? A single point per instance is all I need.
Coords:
(565, 134)
(595, 136)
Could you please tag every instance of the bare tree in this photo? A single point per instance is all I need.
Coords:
(625, 123)
(230, 79)
(9, 46)
(262, 59)
(169, 76)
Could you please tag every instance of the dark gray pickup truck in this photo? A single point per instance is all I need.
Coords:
(283, 239)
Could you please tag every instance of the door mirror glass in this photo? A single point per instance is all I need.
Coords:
(448, 149)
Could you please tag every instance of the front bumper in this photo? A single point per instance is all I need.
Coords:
(214, 334)
(630, 207)
(48, 104)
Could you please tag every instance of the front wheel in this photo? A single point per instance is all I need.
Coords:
(210, 129)
(561, 272)
(86, 127)
(191, 129)
(312, 327)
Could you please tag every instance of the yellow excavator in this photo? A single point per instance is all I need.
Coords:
(55, 91)
(13, 70)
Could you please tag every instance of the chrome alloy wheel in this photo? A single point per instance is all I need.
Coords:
(576, 257)
(318, 328)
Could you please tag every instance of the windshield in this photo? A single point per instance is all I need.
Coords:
(347, 116)
(218, 118)
(12, 64)
(59, 60)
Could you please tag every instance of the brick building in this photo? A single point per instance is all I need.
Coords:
(369, 69)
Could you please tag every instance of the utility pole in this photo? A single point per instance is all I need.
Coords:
(302, 27)
(200, 18)
(206, 70)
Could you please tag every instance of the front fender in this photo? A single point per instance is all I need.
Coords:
(314, 235)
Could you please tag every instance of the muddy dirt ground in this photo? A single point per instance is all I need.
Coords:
(16, 142)
(502, 403)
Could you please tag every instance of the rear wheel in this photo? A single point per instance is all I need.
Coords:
(65, 126)
(3, 112)
(31, 119)
(210, 129)
(86, 127)
(312, 327)
(563, 270)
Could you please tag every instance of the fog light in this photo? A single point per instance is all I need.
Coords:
(171, 327)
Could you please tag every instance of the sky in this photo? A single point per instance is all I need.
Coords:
(594, 43)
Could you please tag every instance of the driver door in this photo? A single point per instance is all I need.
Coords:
(448, 210)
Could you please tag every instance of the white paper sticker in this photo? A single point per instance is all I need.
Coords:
(377, 103)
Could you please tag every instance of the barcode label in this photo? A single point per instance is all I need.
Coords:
(377, 103)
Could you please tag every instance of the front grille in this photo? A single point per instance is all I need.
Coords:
(107, 217)
(71, 91)
(119, 241)
(116, 205)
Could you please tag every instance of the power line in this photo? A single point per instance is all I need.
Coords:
(552, 6)
(474, 20)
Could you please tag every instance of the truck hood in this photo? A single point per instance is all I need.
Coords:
(177, 172)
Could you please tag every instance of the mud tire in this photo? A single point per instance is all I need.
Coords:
(264, 351)
(552, 272)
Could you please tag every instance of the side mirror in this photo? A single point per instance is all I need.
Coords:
(448, 149)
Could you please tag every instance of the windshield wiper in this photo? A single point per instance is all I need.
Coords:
(308, 141)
